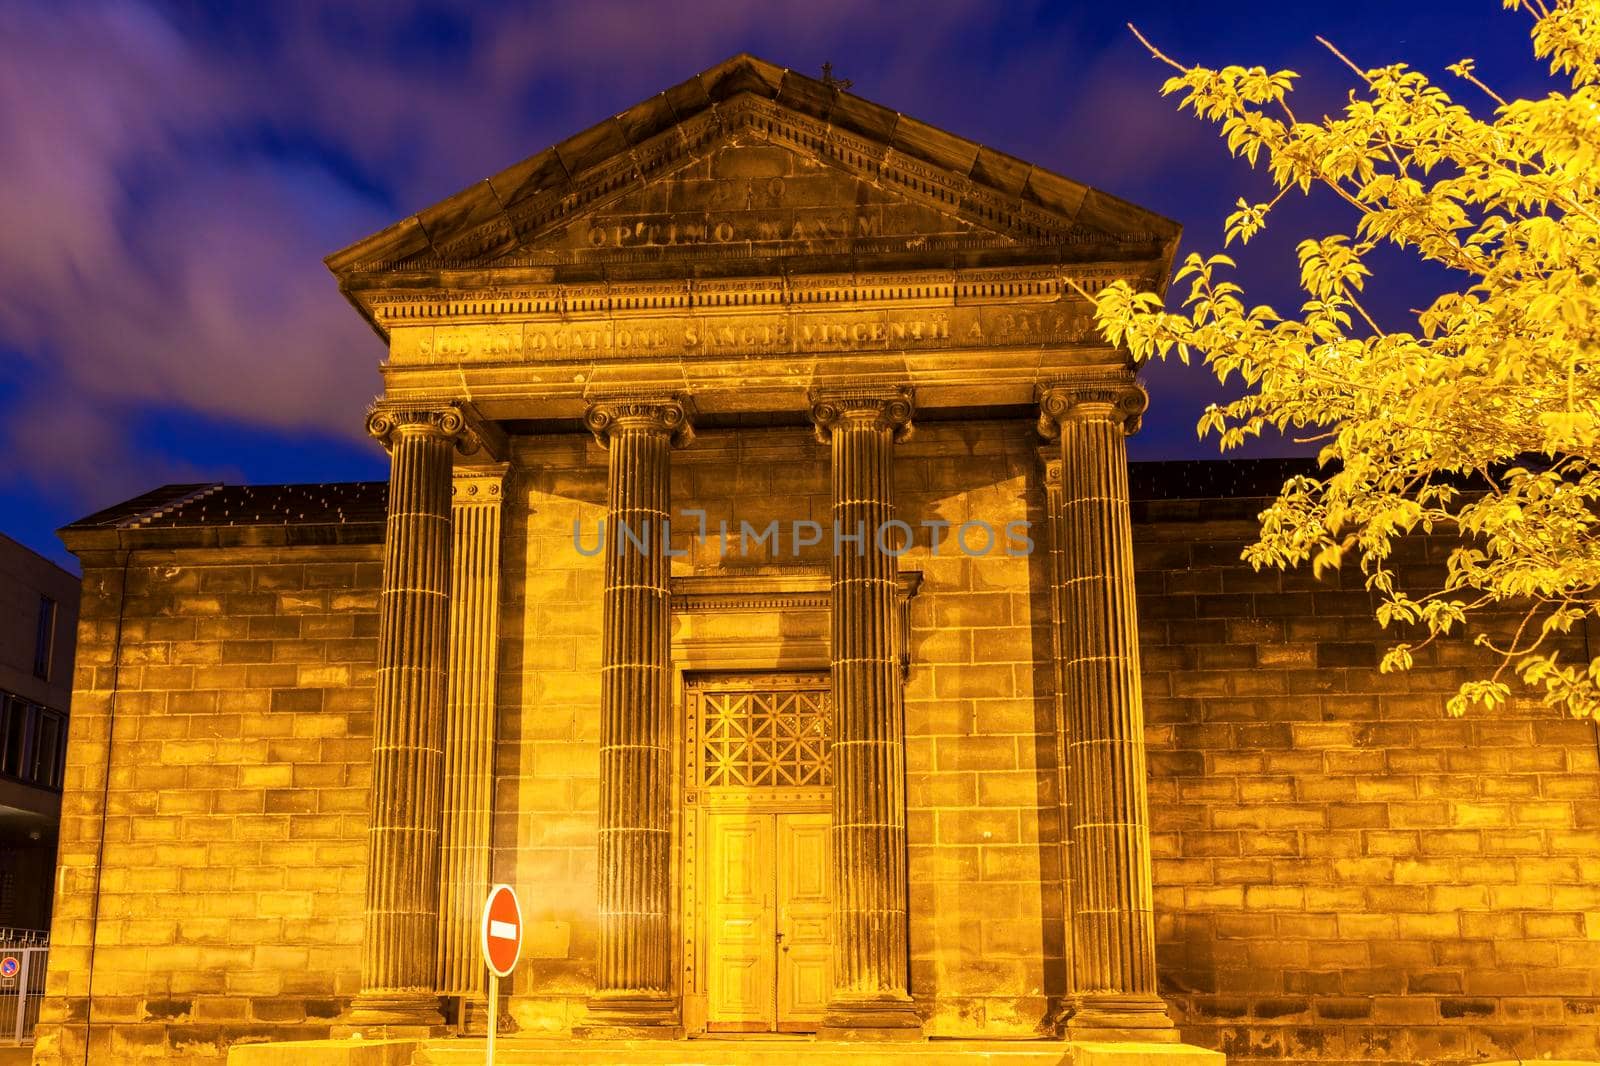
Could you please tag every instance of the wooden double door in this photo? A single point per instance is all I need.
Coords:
(768, 913)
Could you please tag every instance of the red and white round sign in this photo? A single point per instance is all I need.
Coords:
(502, 930)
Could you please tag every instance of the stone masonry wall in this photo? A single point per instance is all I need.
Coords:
(229, 828)
(547, 743)
(985, 879)
(984, 826)
(1345, 873)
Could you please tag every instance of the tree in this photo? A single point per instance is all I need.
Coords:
(1481, 419)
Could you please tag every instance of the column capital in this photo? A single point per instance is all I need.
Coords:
(888, 407)
(660, 414)
(454, 421)
(475, 485)
(1050, 467)
(1115, 397)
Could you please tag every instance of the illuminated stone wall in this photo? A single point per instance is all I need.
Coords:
(982, 807)
(233, 809)
(1344, 872)
(548, 763)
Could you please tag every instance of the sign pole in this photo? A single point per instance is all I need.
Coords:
(494, 1016)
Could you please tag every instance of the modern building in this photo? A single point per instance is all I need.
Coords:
(927, 719)
(38, 626)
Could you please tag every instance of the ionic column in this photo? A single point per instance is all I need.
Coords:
(633, 979)
(868, 837)
(398, 966)
(469, 735)
(1050, 461)
(1114, 951)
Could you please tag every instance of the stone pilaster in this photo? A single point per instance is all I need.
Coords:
(633, 978)
(871, 995)
(1055, 538)
(469, 735)
(1113, 925)
(398, 961)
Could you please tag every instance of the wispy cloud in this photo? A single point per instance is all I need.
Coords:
(171, 176)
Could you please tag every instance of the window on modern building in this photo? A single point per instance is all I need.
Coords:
(45, 639)
(33, 742)
(46, 762)
(14, 736)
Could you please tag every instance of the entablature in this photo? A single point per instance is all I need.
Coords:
(982, 337)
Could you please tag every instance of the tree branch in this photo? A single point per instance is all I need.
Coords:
(1158, 53)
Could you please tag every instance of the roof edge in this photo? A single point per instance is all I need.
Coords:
(542, 174)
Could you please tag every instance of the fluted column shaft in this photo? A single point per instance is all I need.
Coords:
(868, 838)
(633, 976)
(469, 730)
(1056, 535)
(398, 968)
(1114, 959)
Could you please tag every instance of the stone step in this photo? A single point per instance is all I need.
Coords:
(807, 1051)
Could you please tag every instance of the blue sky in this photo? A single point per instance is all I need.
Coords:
(174, 173)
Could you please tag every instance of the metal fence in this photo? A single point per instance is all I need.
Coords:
(23, 954)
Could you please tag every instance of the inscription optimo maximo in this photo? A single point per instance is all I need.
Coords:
(666, 231)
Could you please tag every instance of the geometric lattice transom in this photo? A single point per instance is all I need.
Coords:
(753, 738)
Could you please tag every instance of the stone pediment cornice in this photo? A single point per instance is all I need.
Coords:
(1004, 207)
(1004, 220)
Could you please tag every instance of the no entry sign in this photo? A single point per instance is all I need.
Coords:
(502, 930)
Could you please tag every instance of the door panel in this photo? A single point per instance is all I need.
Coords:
(805, 949)
(768, 911)
(740, 913)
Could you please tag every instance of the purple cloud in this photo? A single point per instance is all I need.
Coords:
(172, 177)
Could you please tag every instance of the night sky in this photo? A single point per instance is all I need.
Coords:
(171, 176)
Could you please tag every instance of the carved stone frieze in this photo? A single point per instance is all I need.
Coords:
(974, 287)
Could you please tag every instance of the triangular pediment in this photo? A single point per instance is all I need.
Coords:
(746, 198)
(749, 169)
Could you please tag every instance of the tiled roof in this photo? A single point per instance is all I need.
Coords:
(355, 502)
(184, 506)
(1213, 479)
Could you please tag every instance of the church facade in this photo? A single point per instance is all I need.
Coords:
(762, 589)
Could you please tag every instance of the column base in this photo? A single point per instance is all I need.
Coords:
(871, 1017)
(1057, 1014)
(393, 1014)
(631, 1016)
(1113, 1018)
(472, 1015)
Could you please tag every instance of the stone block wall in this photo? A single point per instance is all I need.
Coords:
(1345, 873)
(547, 747)
(983, 806)
(213, 833)
(986, 932)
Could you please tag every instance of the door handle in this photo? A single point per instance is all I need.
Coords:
(778, 937)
